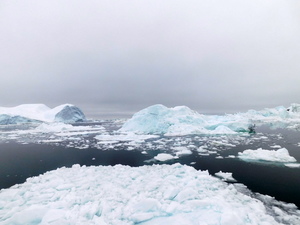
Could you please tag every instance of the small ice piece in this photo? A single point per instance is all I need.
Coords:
(163, 157)
(180, 151)
(280, 155)
(93, 158)
(275, 146)
(219, 157)
(125, 137)
(225, 176)
(292, 165)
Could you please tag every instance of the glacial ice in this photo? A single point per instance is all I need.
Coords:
(181, 120)
(27, 113)
(123, 195)
(280, 155)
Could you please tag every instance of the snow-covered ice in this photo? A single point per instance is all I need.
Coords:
(121, 195)
(280, 155)
(25, 113)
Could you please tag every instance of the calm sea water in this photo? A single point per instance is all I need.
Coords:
(20, 161)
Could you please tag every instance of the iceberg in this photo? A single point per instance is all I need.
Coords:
(28, 113)
(123, 195)
(181, 120)
(280, 155)
(69, 114)
(8, 119)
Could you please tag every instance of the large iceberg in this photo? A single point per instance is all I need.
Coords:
(27, 113)
(181, 120)
(159, 194)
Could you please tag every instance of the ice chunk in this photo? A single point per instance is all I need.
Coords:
(124, 137)
(163, 157)
(292, 165)
(158, 194)
(225, 176)
(280, 155)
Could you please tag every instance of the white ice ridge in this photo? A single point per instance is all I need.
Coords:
(39, 112)
(280, 155)
(122, 195)
(181, 120)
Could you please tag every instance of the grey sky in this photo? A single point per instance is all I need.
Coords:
(113, 58)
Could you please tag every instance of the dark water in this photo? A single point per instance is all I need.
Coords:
(19, 161)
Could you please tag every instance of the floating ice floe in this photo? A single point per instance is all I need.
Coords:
(164, 157)
(225, 176)
(27, 113)
(280, 155)
(181, 120)
(159, 194)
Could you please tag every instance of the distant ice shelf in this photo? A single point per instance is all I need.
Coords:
(30, 113)
(159, 194)
(181, 120)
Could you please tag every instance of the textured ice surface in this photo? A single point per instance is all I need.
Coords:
(159, 194)
(38, 112)
(280, 155)
(181, 120)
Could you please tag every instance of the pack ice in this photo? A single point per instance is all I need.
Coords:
(181, 120)
(122, 195)
(28, 113)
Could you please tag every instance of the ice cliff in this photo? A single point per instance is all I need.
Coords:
(27, 113)
(181, 120)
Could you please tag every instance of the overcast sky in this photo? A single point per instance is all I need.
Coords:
(112, 58)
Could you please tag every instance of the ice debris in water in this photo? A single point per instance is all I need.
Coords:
(27, 113)
(280, 155)
(159, 194)
(181, 120)
(164, 157)
(225, 176)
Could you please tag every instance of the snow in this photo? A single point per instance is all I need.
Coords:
(181, 120)
(39, 112)
(159, 194)
(280, 155)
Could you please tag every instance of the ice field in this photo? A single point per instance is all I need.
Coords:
(159, 194)
(162, 191)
